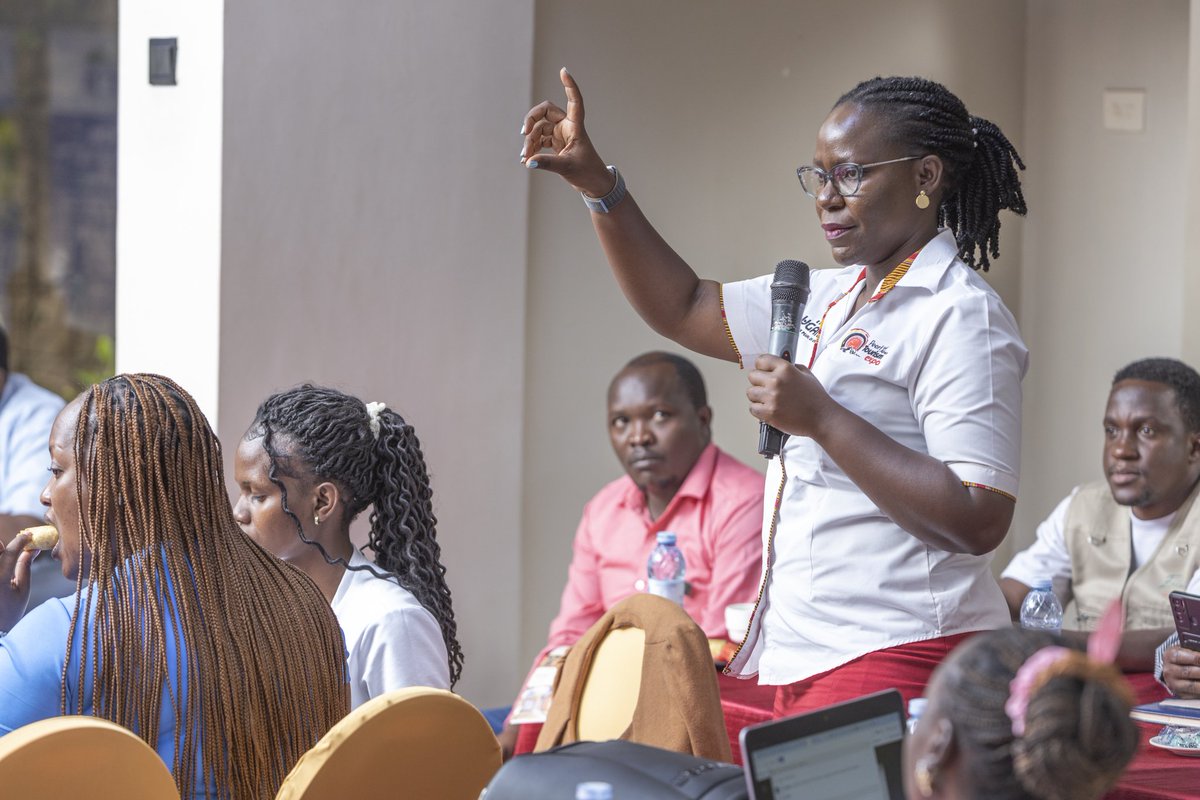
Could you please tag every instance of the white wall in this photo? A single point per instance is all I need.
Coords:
(1103, 262)
(374, 240)
(1191, 180)
(351, 211)
(708, 107)
(169, 197)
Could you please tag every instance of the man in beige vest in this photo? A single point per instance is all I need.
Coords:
(1135, 536)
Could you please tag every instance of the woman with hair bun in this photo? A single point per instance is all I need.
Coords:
(1014, 716)
(901, 402)
(313, 460)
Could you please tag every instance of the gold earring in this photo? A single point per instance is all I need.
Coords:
(922, 200)
(923, 774)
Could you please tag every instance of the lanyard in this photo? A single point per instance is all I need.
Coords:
(885, 286)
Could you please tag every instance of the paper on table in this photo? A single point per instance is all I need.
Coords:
(1179, 702)
(1164, 714)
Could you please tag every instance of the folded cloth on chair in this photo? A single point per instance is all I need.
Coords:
(678, 705)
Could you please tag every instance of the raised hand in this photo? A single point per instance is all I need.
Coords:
(570, 152)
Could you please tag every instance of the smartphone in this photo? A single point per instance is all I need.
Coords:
(1185, 608)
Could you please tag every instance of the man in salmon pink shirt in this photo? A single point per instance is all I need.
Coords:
(675, 480)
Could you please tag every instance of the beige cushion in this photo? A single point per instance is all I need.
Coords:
(417, 742)
(610, 691)
(81, 757)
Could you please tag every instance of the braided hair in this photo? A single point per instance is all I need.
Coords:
(980, 163)
(1078, 735)
(172, 577)
(328, 435)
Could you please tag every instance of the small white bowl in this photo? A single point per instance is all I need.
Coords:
(737, 620)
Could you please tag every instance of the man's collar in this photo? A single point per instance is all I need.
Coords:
(694, 486)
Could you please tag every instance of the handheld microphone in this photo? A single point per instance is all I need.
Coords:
(789, 293)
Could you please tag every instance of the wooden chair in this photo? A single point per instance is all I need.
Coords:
(81, 757)
(417, 742)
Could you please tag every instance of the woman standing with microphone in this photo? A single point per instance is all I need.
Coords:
(903, 406)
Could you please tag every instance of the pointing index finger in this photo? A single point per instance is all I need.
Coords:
(574, 97)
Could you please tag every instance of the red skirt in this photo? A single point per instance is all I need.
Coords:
(906, 667)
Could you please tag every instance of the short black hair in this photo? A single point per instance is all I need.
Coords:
(1173, 373)
(3, 348)
(689, 376)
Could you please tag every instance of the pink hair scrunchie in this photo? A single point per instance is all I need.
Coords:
(1020, 687)
(1102, 648)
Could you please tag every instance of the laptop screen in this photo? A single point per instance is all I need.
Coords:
(849, 751)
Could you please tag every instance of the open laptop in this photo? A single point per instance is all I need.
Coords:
(849, 751)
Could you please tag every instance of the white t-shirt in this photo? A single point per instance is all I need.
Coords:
(392, 641)
(1048, 558)
(936, 364)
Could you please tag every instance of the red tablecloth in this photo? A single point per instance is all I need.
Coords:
(744, 703)
(1154, 774)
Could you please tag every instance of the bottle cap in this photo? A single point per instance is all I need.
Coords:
(666, 537)
(916, 706)
(1042, 586)
(594, 790)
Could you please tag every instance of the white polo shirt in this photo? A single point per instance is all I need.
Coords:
(935, 363)
(392, 641)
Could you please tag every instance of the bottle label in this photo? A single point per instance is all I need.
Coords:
(672, 590)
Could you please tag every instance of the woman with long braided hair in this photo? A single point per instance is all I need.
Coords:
(899, 402)
(182, 629)
(312, 461)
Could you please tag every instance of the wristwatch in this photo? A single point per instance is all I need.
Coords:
(602, 205)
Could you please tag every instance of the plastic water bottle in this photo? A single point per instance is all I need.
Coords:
(665, 568)
(1041, 610)
(916, 707)
(594, 790)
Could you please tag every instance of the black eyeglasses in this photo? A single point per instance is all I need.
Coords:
(847, 178)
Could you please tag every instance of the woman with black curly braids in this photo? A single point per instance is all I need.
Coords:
(312, 461)
(903, 402)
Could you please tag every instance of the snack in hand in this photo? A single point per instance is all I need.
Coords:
(44, 537)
